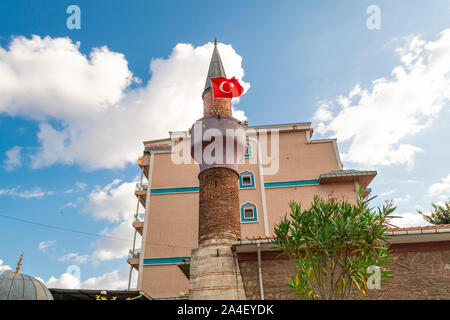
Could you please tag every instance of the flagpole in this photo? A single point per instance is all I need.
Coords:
(212, 95)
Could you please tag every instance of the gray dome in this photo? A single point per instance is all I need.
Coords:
(22, 287)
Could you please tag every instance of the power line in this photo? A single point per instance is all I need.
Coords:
(84, 232)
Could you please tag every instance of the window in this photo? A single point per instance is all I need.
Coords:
(246, 180)
(248, 150)
(248, 213)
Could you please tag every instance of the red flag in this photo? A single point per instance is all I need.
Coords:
(226, 88)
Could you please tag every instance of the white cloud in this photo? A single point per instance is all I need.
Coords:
(79, 186)
(13, 158)
(26, 194)
(74, 257)
(116, 244)
(117, 279)
(409, 220)
(3, 267)
(69, 204)
(65, 281)
(440, 189)
(377, 121)
(44, 245)
(116, 203)
(387, 193)
(402, 200)
(101, 120)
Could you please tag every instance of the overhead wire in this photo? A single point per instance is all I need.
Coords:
(86, 233)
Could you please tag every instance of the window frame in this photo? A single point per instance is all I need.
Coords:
(252, 206)
(245, 174)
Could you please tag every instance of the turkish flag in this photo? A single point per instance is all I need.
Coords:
(226, 88)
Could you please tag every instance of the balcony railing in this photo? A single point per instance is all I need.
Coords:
(139, 217)
(141, 186)
(134, 254)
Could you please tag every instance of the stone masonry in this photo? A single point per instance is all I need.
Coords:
(418, 275)
(220, 106)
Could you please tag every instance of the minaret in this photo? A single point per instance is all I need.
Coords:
(214, 271)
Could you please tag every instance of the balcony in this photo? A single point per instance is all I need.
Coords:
(141, 192)
(138, 222)
(134, 257)
(139, 217)
(141, 186)
(144, 163)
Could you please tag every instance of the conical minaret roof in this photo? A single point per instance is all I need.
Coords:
(216, 69)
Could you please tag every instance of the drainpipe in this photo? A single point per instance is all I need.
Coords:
(261, 287)
(263, 190)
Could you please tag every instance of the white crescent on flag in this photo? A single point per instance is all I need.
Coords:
(221, 87)
(219, 90)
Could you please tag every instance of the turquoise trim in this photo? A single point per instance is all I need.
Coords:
(156, 261)
(255, 212)
(290, 183)
(249, 153)
(174, 190)
(252, 179)
(266, 185)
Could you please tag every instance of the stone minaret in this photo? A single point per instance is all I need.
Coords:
(214, 271)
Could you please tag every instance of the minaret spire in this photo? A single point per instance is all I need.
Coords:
(216, 69)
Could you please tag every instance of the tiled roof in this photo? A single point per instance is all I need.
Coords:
(432, 227)
(440, 226)
(258, 238)
(347, 173)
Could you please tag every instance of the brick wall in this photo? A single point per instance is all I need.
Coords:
(218, 205)
(275, 272)
(418, 275)
(221, 106)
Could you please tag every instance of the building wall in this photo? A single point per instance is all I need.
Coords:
(418, 275)
(164, 281)
(172, 228)
(423, 274)
(275, 273)
(301, 159)
(278, 198)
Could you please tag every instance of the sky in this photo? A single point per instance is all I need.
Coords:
(76, 104)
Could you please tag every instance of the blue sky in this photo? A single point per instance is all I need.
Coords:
(302, 62)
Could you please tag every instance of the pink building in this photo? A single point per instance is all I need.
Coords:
(282, 163)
